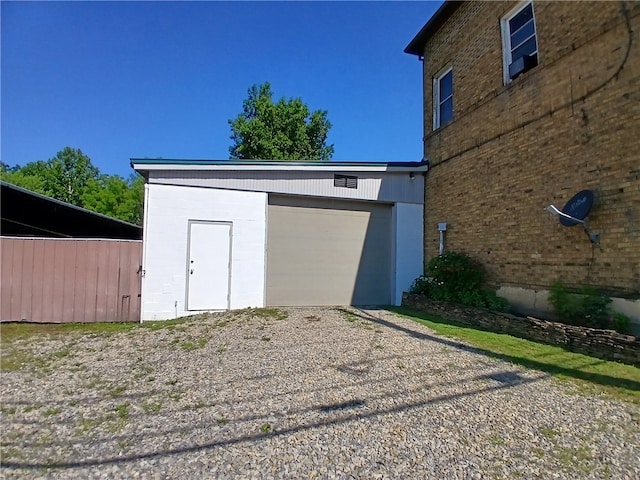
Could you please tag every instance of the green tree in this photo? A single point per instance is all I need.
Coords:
(71, 177)
(285, 130)
(116, 197)
(69, 174)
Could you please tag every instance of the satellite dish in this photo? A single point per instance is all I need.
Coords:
(578, 207)
(576, 211)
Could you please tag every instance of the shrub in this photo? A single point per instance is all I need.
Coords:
(457, 278)
(587, 307)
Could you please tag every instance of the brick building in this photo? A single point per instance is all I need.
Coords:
(525, 104)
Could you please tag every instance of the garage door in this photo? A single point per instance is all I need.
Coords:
(328, 252)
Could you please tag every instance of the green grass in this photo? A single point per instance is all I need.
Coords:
(591, 375)
(266, 313)
(15, 330)
(188, 345)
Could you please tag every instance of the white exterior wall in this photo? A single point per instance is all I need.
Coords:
(167, 212)
(409, 251)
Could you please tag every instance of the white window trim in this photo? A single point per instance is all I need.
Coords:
(506, 37)
(436, 94)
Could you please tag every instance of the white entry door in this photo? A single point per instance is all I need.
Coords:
(208, 265)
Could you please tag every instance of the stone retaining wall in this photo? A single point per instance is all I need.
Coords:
(604, 344)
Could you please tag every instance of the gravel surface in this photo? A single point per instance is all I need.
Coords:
(322, 393)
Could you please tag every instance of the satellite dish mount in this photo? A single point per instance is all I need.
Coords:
(576, 212)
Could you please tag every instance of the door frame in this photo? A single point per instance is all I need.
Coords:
(187, 260)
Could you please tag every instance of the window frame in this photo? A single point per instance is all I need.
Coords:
(507, 58)
(437, 103)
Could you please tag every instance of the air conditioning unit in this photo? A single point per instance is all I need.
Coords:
(522, 64)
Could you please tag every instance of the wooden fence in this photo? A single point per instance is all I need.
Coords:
(50, 280)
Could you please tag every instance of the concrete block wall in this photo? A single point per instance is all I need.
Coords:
(168, 209)
(570, 123)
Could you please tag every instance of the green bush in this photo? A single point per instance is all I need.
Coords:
(587, 307)
(457, 278)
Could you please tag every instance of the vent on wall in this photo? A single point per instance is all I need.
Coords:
(346, 181)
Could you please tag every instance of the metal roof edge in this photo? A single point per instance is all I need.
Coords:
(416, 46)
(65, 204)
(146, 164)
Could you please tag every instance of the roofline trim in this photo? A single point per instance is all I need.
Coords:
(416, 46)
(146, 164)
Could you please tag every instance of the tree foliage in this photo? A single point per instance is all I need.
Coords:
(285, 130)
(71, 177)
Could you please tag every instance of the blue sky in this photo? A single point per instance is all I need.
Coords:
(161, 79)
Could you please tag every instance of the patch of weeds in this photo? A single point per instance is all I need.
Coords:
(8, 410)
(173, 381)
(13, 359)
(265, 428)
(116, 390)
(122, 411)
(30, 408)
(221, 420)
(265, 338)
(151, 407)
(199, 404)
(539, 452)
(268, 313)
(496, 440)
(61, 353)
(401, 366)
(347, 315)
(52, 411)
(221, 349)
(549, 432)
(85, 424)
(188, 345)
(151, 379)
(574, 457)
(378, 346)
(12, 453)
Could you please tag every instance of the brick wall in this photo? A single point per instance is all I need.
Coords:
(571, 123)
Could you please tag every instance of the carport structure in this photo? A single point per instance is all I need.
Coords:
(224, 235)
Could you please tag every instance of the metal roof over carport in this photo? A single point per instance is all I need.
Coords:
(26, 213)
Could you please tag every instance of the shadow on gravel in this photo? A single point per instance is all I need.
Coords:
(336, 413)
(526, 362)
(256, 437)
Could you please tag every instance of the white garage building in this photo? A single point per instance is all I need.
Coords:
(226, 235)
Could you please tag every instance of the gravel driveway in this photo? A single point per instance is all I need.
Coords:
(322, 393)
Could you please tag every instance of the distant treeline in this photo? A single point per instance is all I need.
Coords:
(71, 177)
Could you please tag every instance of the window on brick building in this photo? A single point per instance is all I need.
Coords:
(443, 98)
(520, 45)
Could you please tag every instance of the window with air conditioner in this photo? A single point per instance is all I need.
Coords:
(443, 98)
(519, 41)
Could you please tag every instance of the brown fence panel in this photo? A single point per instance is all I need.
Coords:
(47, 280)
